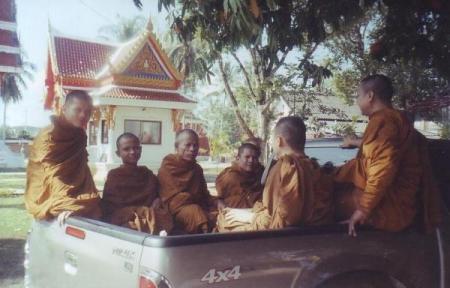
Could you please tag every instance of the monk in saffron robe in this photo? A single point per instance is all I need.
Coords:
(295, 192)
(130, 197)
(239, 186)
(380, 187)
(59, 182)
(183, 186)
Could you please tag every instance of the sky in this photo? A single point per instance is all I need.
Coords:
(81, 18)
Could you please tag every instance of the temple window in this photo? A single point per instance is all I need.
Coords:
(149, 132)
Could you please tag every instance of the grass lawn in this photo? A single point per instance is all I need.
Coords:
(14, 219)
(14, 224)
(11, 182)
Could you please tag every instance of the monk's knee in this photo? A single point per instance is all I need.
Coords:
(192, 219)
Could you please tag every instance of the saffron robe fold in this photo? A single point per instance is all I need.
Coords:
(238, 188)
(183, 188)
(296, 193)
(58, 176)
(387, 173)
(127, 199)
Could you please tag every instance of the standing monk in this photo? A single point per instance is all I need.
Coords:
(130, 197)
(295, 193)
(383, 180)
(239, 186)
(183, 186)
(59, 182)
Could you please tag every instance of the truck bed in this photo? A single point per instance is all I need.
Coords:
(105, 255)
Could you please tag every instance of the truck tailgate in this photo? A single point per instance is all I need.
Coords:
(83, 253)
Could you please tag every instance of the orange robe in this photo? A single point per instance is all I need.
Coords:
(238, 188)
(296, 193)
(58, 176)
(128, 194)
(183, 188)
(386, 174)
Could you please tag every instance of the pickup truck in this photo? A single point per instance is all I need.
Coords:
(88, 253)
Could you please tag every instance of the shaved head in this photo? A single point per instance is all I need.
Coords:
(77, 94)
(126, 135)
(293, 130)
(380, 85)
(183, 134)
(186, 144)
(249, 146)
(77, 108)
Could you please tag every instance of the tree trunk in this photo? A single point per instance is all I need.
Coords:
(234, 102)
(264, 133)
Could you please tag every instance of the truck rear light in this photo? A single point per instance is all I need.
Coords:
(146, 283)
(75, 232)
(151, 279)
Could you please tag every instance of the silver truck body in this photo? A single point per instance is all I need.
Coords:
(111, 256)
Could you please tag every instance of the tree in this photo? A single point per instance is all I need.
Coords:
(352, 59)
(190, 60)
(421, 38)
(123, 30)
(266, 32)
(216, 111)
(11, 88)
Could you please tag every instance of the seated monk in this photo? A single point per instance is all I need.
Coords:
(183, 186)
(130, 197)
(239, 186)
(380, 186)
(59, 182)
(295, 192)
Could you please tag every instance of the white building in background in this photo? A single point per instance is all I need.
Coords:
(135, 89)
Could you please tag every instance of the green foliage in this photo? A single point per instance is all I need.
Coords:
(13, 83)
(345, 84)
(416, 31)
(303, 94)
(221, 126)
(268, 30)
(352, 59)
(345, 129)
(220, 145)
(316, 126)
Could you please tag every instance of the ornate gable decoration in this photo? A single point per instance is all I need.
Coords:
(141, 63)
(146, 66)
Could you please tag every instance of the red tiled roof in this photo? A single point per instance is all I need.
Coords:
(7, 10)
(81, 59)
(146, 95)
(7, 59)
(8, 38)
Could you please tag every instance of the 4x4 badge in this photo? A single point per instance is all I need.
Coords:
(216, 276)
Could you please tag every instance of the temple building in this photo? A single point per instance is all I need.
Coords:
(135, 88)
